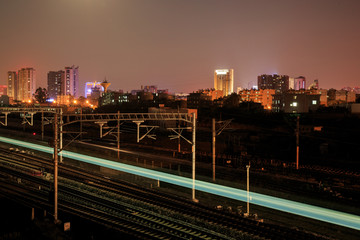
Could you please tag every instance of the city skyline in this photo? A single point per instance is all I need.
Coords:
(177, 45)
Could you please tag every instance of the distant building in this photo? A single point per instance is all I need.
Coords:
(114, 98)
(352, 89)
(291, 83)
(3, 90)
(12, 83)
(293, 101)
(90, 86)
(197, 99)
(224, 80)
(151, 89)
(278, 82)
(299, 83)
(262, 96)
(340, 97)
(203, 97)
(64, 99)
(4, 100)
(56, 81)
(26, 84)
(323, 95)
(63, 82)
(314, 85)
(181, 96)
(71, 81)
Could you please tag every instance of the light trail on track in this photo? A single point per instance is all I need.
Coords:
(302, 209)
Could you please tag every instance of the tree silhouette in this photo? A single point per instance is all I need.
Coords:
(41, 95)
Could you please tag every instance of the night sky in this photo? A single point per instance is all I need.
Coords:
(177, 44)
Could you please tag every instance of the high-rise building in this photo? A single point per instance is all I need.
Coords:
(55, 84)
(224, 80)
(63, 82)
(278, 82)
(26, 84)
(71, 82)
(12, 82)
(300, 83)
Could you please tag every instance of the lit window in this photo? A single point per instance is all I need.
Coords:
(294, 104)
(314, 102)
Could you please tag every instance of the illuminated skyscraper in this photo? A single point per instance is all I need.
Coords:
(224, 80)
(55, 84)
(12, 82)
(26, 84)
(63, 83)
(71, 82)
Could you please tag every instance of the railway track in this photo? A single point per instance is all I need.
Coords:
(187, 209)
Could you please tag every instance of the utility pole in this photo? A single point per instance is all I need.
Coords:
(81, 118)
(193, 156)
(42, 126)
(248, 189)
(56, 168)
(118, 135)
(213, 147)
(61, 134)
(297, 141)
(214, 134)
(179, 140)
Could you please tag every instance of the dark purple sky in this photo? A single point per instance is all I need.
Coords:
(177, 44)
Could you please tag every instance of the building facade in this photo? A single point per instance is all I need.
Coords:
(262, 96)
(280, 83)
(299, 83)
(71, 82)
(224, 80)
(12, 83)
(55, 84)
(91, 86)
(340, 97)
(293, 101)
(3, 90)
(26, 84)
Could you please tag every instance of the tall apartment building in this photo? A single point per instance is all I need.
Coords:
(55, 84)
(224, 80)
(71, 82)
(63, 82)
(12, 82)
(26, 84)
(278, 82)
